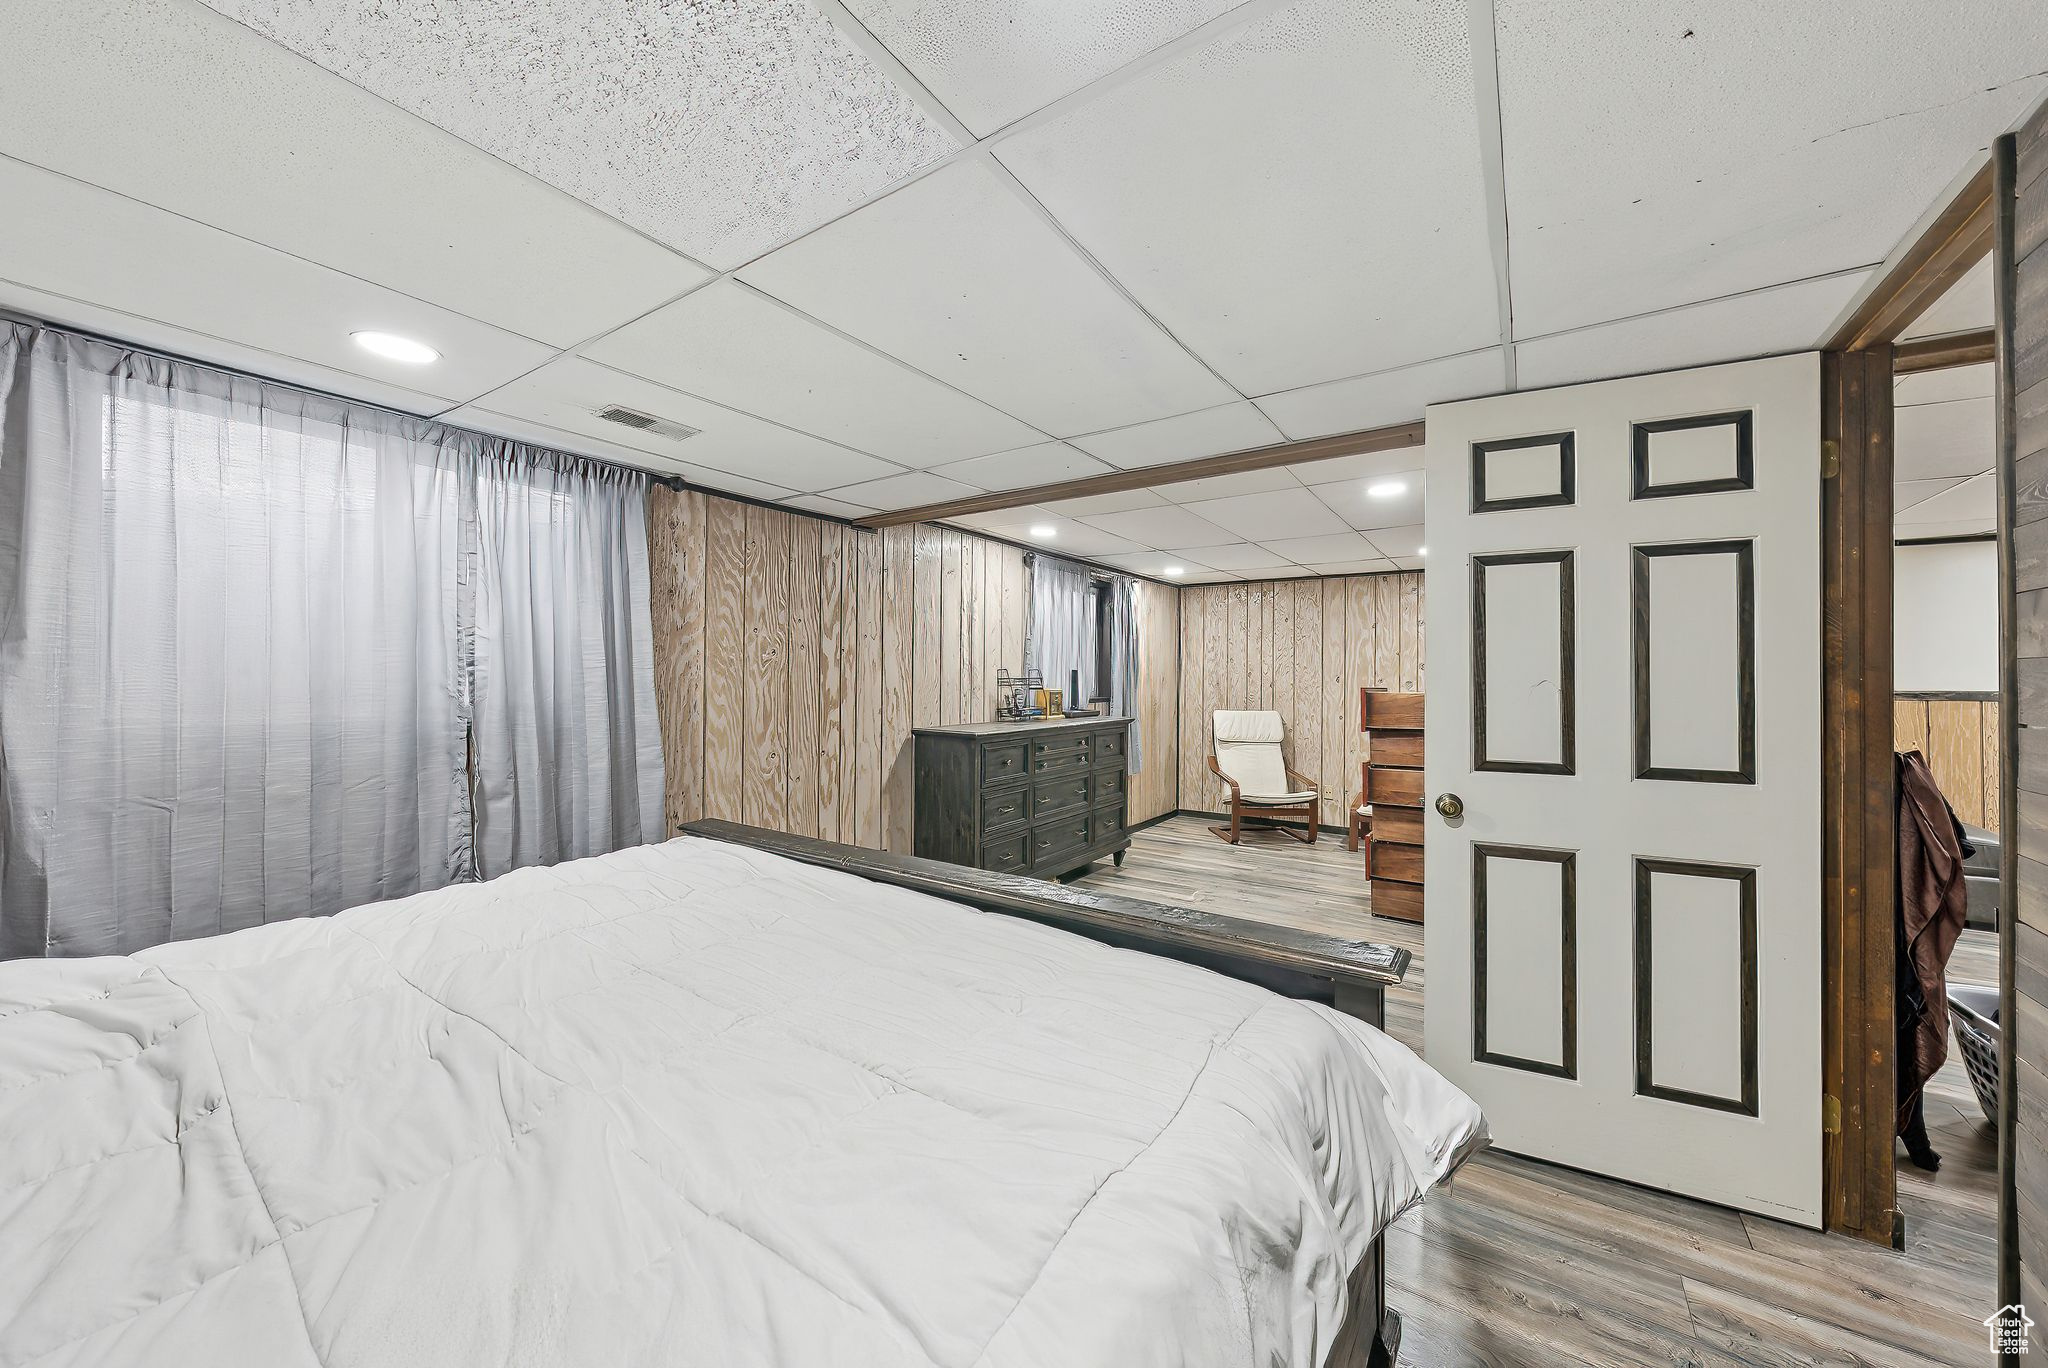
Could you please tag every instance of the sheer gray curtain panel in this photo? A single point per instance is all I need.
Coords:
(1062, 633)
(255, 644)
(568, 744)
(229, 690)
(1123, 661)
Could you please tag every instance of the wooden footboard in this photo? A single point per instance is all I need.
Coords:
(1351, 976)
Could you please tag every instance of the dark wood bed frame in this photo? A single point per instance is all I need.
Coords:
(1351, 976)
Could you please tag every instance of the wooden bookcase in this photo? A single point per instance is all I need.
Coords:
(1392, 723)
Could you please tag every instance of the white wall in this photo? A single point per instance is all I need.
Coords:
(1945, 618)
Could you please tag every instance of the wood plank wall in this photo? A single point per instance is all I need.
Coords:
(793, 655)
(1303, 648)
(2020, 203)
(1960, 738)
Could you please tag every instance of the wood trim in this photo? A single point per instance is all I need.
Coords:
(1858, 1183)
(1745, 659)
(1944, 352)
(1148, 477)
(2004, 297)
(1955, 241)
(1646, 1084)
(1744, 477)
(1294, 963)
(1567, 633)
(1567, 472)
(1568, 989)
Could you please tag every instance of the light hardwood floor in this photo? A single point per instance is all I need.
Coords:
(1525, 1263)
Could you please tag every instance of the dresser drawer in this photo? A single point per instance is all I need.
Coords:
(1402, 788)
(1052, 796)
(1106, 786)
(1105, 823)
(1003, 763)
(1108, 745)
(1008, 854)
(1395, 860)
(1010, 808)
(1049, 839)
(1070, 758)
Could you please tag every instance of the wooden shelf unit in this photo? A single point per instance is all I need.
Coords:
(1392, 723)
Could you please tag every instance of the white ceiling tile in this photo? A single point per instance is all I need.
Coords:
(1410, 563)
(1043, 463)
(721, 129)
(1298, 199)
(1961, 527)
(830, 507)
(737, 347)
(993, 64)
(542, 434)
(957, 276)
(1210, 577)
(1078, 538)
(1281, 513)
(1396, 541)
(1234, 556)
(1361, 567)
(1003, 522)
(1281, 572)
(912, 489)
(1222, 486)
(1788, 319)
(567, 394)
(1340, 546)
(1933, 440)
(1974, 499)
(1964, 306)
(1368, 512)
(151, 334)
(1942, 386)
(1659, 157)
(1906, 493)
(1398, 396)
(1365, 466)
(1120, 502)
(253, 139)
(1157, 564)
(1185, 437)
(65, 238)
(1166, 525)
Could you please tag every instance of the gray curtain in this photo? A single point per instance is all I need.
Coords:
(1062, 632)
(1123, 661)
(238, 630)
(568, 745)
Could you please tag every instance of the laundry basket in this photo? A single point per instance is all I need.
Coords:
(1974, 1014)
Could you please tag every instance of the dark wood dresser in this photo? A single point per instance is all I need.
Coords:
(1042, 798)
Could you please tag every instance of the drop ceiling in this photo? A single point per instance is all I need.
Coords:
(881, 252)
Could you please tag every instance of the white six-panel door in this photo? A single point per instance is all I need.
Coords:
(1622, 927)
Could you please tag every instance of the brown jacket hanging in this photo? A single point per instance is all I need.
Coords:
(1933, 900)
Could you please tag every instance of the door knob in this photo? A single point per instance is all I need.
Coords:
(1450, 805)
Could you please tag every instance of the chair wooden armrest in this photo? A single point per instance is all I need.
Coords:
(1304, 784)
(1217, 770)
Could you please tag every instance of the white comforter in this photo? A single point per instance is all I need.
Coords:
(688, 1104)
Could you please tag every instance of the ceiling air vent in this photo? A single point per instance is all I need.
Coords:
(645, 422)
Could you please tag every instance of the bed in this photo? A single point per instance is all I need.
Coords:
(738, 1099)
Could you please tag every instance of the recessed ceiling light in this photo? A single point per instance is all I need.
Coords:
(1421, 550)
(1175, 571)
(392, 347)
(1044, 531)
(1386, 489)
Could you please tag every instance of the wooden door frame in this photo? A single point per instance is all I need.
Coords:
(1859, 1182)
(1859, 819)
